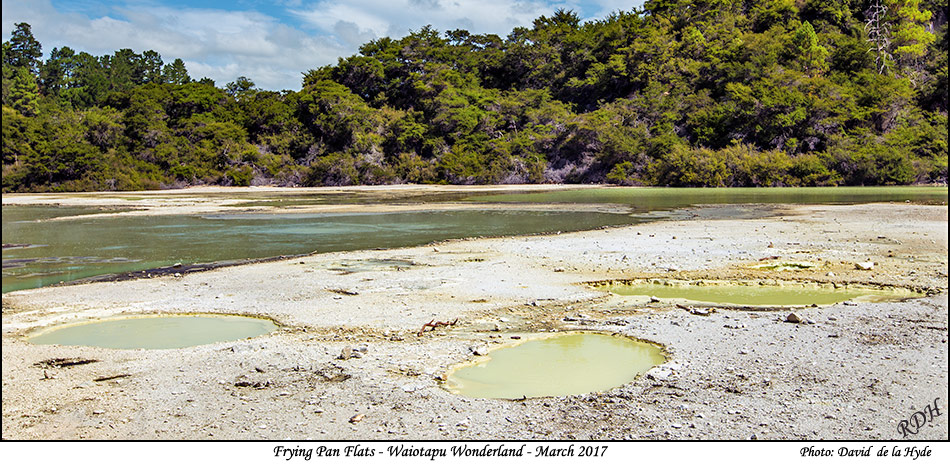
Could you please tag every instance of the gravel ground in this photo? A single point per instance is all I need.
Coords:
(852, 374)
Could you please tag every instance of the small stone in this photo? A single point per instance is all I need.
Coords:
(357, 418)
(654, 299)
(866, 266)
(99, 411)
(659, 373)
(794, 318)
(676, 426)
(832, 318)
(830, 274)
(479, 350)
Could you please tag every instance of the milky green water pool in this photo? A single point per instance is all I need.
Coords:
(569, 364)
(756, 293)
(156, 332)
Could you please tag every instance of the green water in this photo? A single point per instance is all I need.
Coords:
(753, 294)
(658, 198)
(569, 364)
(79, 248)
(62, 251)
(158, 332)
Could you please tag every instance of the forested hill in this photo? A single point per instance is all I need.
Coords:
(680, 93)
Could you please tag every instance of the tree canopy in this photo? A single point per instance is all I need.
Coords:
(678, 93)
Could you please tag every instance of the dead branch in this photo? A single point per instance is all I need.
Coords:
(434, 324)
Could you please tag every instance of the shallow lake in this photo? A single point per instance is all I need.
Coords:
(62, 251)
(79, 248)
(570, 364)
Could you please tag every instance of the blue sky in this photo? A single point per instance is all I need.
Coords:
(270, 42)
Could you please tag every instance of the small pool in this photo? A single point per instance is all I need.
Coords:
(568, 364)
(751, 293)
(155, 332)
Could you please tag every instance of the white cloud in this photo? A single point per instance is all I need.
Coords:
(225, 44)
(606, 7)
(213, 43)
(396, 18)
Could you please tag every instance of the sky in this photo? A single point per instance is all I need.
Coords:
(270, 42)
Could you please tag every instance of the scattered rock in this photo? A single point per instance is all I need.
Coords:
(659, 373)
(794, 318)
(479, 350)
(357, 418)
(349, 352)
(332, 373)
(244, 381)
(866, 266)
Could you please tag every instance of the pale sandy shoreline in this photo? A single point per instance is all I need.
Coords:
(733, 374)
(233, 200)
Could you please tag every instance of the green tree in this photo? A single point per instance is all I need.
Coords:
(175, 72)
(58, 71)
(910, 36)
(806, 50)
(24, 93)
(24, 50)
(151, 64)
